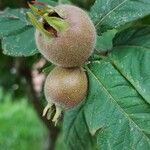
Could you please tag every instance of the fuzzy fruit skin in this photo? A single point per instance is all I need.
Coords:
(74, 46)
(66, 87)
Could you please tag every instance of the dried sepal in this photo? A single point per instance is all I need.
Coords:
(52, 113)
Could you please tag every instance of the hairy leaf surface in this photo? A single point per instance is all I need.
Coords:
(108, 14)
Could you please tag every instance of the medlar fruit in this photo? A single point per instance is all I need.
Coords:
(65, 88)
(73, 46)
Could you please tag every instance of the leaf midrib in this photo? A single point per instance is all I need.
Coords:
(130, 79)
(119, 107)
(110, 12)
(132, 46)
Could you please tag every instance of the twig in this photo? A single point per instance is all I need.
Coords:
(53, 131)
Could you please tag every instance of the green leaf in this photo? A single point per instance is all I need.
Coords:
(16, 33)
(10, 26)
(117, 108)
(109, 14)
(86, 4)
(60, 144)
(49, 2)
(64, 2)
(137, 36)
(115, 111)
(20, 44)
(105, 41)
(12, 20)
(131, 56)
(76, 133)
(145, 20)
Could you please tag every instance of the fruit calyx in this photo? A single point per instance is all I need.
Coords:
(51, 21)
(52, 112)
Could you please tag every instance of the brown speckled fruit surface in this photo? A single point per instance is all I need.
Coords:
(72, 47)
(66, 87)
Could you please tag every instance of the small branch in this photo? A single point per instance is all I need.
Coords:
(54, 131)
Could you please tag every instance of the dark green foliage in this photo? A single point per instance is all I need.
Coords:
(13, 3)
(20, 128)
(16, 33)
(86, 4)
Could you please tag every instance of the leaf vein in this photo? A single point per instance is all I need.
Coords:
(119, 107)
(111, 12)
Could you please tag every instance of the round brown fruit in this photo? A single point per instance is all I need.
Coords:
(72, 47)
(65, 87)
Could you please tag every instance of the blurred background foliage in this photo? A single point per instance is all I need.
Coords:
(20, 128)
(21, 101)
(12, 3)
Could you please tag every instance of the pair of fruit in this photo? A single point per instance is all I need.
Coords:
(65, 36)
